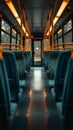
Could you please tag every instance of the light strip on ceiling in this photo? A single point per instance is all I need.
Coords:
(49, 30)
(23, 28)
(55, 20)
(15, 14)
(19, 20)
(60, 11)
(13, 31)
(27, 34)
(62, 7)
(12, 8)
(59, 31)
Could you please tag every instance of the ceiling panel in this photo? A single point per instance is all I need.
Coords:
(37, 12)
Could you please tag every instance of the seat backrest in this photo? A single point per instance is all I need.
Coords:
(28, 60)
(13, 77)
(60, 74)
(5, 110)
(52, 63)
(67, 103)
(46, 55)
(20, 63)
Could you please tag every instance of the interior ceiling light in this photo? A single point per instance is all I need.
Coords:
(12, 8)
(47, 33)
(13, 31)
(15, 14)
(62, 7)
(59, 13)
(27, 34)
(49, 30)
(23, 28)
(19, 20)
(55, 20)
(59, 31)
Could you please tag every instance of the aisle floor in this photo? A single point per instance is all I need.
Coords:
(36, 108)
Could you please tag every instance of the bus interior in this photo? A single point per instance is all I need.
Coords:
(36, 64)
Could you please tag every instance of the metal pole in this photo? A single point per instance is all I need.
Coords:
(21, 33)
(1, 54)
(0, 25)
(52, 33)
(53, 11)
(50, 25)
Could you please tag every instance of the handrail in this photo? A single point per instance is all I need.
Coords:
(10, 46)
(65, 43)
(63, 46)
(1, 54)
(60, 46)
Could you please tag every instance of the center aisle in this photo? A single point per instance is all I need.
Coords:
(38, 113)
(37, 109)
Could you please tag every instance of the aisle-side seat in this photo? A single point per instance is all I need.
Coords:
(21, 63)
(46, 55)
(27, 55)
(21, 67)
(65, 107)
(13, 77)
(7, 109)
(67, 103)
(4, 117)
(60, 74)
(52, 64)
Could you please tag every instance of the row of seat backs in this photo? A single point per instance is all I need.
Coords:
(15, 64)
(21, 63)
(28, 59)
(12, 72)
(45, 59)
(64, 86)
(50, 61)
(23, 60)
(60, 73)
(9, 86)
